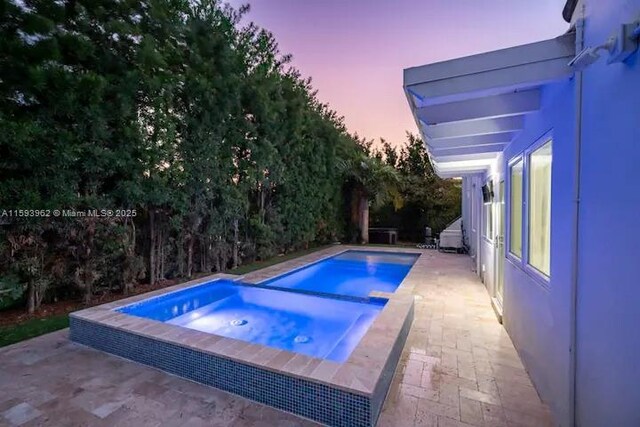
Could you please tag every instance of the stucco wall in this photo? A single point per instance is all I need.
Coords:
(608, 322)
(537, 315)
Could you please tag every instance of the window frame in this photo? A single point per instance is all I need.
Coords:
(509, 253)
(488, 237)
(523, 262)
(540, 142)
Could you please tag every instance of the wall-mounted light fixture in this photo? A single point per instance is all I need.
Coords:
(589, 55)
(622, 44)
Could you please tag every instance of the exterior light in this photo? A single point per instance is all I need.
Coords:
(622, 44)
(590, 55)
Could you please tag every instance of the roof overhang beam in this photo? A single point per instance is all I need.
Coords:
(463, 151)
(497, 106)
(474, 127)
(468, 109)
(486, 74)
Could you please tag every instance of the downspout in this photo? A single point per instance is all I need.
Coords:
(576, 229)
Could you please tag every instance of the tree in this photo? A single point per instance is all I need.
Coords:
(428, 200)
(372, 183)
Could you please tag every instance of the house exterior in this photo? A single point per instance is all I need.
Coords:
(555, 236)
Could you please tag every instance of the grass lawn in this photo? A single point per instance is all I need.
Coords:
(32, 328)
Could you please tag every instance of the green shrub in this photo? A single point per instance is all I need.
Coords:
(12, 292)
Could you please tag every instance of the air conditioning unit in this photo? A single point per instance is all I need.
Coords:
(451, 237)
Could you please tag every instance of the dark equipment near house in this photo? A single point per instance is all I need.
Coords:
(429, 240)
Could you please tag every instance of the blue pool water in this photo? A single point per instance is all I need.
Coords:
(321, 327)
(351, 273)
(317, 326)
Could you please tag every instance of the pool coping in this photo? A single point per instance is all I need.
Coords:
(366, 372)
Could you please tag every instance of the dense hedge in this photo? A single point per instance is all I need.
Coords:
(171, 113)
(169, 108)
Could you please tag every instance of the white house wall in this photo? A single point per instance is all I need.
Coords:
(537, 315)
(608, 321)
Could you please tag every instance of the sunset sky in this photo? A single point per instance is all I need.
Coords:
(355, 50)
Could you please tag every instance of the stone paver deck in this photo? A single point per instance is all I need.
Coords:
(459, 368)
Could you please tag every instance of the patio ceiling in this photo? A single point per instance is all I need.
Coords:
(468, 109)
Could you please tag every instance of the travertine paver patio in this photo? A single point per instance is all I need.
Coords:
(459, 368)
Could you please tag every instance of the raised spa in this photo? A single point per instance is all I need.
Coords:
(321, 327)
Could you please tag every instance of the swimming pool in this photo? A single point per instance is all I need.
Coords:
(350, 273)
(311, 341)
(321, 327)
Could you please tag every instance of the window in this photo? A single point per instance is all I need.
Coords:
(515, 208)
(539, 208)
(487, 225)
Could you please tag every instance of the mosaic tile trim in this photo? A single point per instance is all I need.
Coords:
(312, 400)
(312, 293)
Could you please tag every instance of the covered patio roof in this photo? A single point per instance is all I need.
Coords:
(468, 109)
